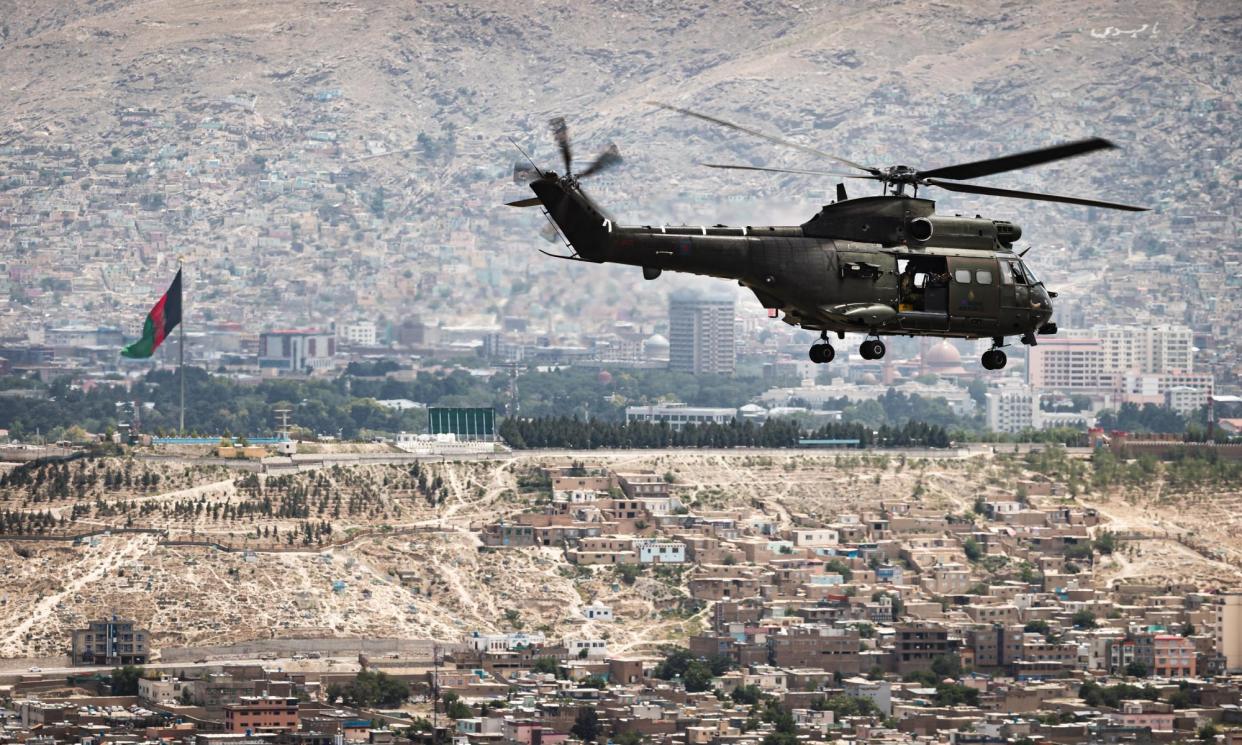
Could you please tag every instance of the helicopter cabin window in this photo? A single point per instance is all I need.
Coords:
(1006, 273)
(962, 276)
(983, 277)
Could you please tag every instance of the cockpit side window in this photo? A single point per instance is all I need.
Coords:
(1006, 273)
(1018, 276)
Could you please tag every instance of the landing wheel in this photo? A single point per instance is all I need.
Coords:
(994, 359)
(822, 353)
(872, 349)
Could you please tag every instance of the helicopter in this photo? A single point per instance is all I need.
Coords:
(884, 265)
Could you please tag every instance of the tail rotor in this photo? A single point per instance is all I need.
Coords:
(525, 173)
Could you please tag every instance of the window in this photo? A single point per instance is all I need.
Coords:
(962, 276)
(983, 277)
(1016, 268)
(1030, 275)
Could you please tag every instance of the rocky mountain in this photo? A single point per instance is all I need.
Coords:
(216, 111)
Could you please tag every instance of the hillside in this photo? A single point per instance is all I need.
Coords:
(403, 110)
(405, 545)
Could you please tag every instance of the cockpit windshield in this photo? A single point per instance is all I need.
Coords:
(1031, 278)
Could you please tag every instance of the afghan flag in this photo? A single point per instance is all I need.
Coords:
(162, 319)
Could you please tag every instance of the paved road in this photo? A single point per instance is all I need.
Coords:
(338, 663)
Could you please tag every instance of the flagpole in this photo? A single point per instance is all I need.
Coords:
(181, 354)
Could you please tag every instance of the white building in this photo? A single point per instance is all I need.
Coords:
(1229, 632)
(815, 396)
(296, 351)
(1012, 408)
(596, 649)
(360, 333)
(678, 415)
(444, 443)
(1098, 359)
(652, 551)
(503, 642)
(164, 691)
(878, 692)
(817, 538)
(1002, 508)
(661, 505)
(597, 612)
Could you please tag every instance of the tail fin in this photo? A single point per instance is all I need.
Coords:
(582, 222)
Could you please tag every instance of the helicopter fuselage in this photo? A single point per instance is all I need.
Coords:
(875, 265)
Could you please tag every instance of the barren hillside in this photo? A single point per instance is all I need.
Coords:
(402, 556)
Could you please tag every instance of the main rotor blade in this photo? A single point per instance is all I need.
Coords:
(975, 189)
(1018, 160)
(607, 159)
(783, 170)
(561, 133)
(768, 137)
(529, 202)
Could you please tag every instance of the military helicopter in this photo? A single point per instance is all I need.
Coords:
(883, 265)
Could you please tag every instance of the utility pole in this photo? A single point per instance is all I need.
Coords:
(181, 356)
(435, 689)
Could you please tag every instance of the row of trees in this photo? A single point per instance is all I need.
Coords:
(565, 432)
(217, 404)
(220, 405)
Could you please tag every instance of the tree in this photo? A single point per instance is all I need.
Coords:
(836, 566)
(846, 706)
(628, 572)
(1084, 619)
(953, 694)
(747, 695)
(1106, 543)
(1208, 732)
(698, 677)
(455, 708)
(674, 664)
(547, 665)
(371, 689)
(1078, 551)
(586, 724)
(1136, 669)
(972, 550)
(946, 666)
(125, 680)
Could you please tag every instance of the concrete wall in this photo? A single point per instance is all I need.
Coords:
(419, 650)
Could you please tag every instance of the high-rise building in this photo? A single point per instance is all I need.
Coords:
(701, 336)
(359, 333)
(1229, 632)
(1012, 408)
(1099, 359)
(296, 351)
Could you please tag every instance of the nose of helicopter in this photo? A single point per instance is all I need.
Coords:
(1042, 304)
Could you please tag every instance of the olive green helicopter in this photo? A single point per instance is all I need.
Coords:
(884, 265)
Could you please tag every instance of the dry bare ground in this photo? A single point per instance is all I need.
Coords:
(345, 583)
